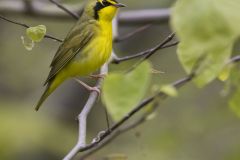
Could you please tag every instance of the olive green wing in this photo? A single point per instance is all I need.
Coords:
(76, 40)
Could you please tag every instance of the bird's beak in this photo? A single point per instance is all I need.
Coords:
(119, 5)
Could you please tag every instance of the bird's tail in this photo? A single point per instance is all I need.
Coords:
(43, 98)
(49, 89)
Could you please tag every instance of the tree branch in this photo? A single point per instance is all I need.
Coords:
(235, 59)
(74, 15)
(82, 117)
(119, 132)
(148, 53)
(131, 34)
(27, 26)
(155, 49)
(14, 22)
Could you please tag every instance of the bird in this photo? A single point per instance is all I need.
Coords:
(87, 46)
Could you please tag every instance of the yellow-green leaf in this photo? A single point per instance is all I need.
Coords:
(37, 33)
(169, 90)
(122, 92)
(151, 116)
(225, 73)
(208, 30)
(27, 44)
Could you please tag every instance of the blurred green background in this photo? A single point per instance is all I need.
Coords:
(198, 125)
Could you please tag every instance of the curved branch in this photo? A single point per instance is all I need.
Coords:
(120, 131)
(74, 15)
(148, 53)
(82, 118)
(131, 34)
(235, 59)
(115, 135)
(27, 26)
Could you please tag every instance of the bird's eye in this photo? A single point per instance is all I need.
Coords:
(106, 3)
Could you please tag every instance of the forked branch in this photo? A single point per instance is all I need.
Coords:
(116, 130)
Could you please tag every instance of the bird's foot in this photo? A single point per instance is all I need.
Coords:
(95, 89)
(89, 88)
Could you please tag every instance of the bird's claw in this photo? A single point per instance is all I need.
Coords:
(95, 89)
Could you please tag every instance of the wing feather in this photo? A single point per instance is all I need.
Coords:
(72, 45)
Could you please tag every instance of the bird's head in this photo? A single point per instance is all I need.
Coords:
(104, 9)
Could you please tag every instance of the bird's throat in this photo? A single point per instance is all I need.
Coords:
(107, 14)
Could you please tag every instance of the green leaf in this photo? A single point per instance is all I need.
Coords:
(151, 116)
(169, 90)
(37, 33)
(225, 73)
(27, 44)
(209, 33)
(122, 92)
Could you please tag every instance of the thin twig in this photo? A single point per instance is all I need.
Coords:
(27, 26)
(82, 118)
(14, 22)
(155, 49)
(131, 34)
(53, 38)
(112, 137)
(170, 45)
(235, 59)
(149, 52)
(74, 15)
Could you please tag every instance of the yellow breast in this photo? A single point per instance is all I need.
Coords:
(94, 55)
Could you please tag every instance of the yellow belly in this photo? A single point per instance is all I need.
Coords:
(90, 59)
